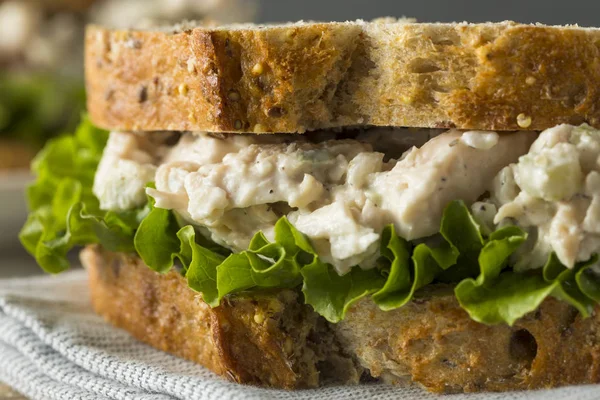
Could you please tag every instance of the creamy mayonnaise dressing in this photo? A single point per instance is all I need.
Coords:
(123, 172)
(554, 193)
(340, 193)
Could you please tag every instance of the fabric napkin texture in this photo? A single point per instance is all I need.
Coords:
(52, 346)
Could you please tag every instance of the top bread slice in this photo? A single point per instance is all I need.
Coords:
(306, 76)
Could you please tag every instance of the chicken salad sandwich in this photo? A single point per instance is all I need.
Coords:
(299, 204)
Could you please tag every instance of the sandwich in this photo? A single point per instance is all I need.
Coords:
(335, 203)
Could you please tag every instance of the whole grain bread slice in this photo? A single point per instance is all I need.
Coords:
(432, 341)
(271, 339)
(305, 76)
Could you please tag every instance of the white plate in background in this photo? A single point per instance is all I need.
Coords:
(13, 207)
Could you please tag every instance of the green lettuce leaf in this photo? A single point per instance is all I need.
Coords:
(460, 230)
(490, 298)
(156, 239)
(201, 271)
(266, 264)
(507, 299)
(408, 273)
(63, 210)
(399, 285)
(588, 281)
(463, 235)
(160, 242)
(37, 106)
(503, 297)
(458, 242)
(565, 286)
(330, 294)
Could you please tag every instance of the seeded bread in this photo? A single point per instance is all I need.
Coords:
(271, 339)
(304, 76)
(432, 341)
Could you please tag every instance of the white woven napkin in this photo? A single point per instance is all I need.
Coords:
(52, 346)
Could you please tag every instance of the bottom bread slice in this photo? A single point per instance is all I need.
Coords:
(268, 339)
(272, 339)
(434, 342)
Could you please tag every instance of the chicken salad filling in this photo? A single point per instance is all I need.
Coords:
(506, 218)
(340, 193)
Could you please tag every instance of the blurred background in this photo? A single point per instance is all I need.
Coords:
(41, 79)
(582, 12)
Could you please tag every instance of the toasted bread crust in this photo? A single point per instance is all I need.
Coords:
(309, 76)
(431, 341)
(244, 339)
(434, 342)
(203, 79)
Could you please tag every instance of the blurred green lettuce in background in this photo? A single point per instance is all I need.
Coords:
(35, 106)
